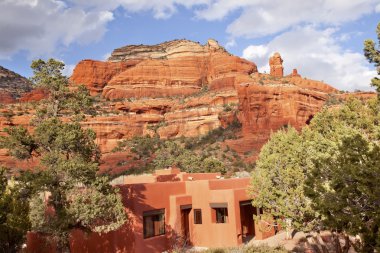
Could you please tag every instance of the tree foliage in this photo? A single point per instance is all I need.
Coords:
(328, 174)
(278, 181)
(61, 100)
(174, 154)
(201, 154)
(64, 190)
(343, 182)
(13, 215)
(373, 55)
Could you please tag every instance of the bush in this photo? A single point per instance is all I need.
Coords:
(250, 249)
(264, 249)
(215, 251)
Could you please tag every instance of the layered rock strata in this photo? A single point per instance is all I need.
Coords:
(182, 88)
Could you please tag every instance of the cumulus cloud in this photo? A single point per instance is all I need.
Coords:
(261, 17)
(43, 27)
(316, 54)
(161, 9)
(40, 26)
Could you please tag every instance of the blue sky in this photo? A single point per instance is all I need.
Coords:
(323, 39)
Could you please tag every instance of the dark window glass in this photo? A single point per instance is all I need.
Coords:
(154, 223)
(197, 216)
(221, 215)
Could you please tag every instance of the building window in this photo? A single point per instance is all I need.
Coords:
(221, 215)
(197, 216)
(154, 223)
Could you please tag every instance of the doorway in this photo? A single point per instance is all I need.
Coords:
(247, 223)
(185, 224)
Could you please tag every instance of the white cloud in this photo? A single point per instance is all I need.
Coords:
(317, 55)
(161, 9)
(261, 17)
(230, 43)
(68, 70)
(252, 52)
(41, 26)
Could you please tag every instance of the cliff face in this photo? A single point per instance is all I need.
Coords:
(167, 50)
(12, 86)
(175, 68)
(182, 88)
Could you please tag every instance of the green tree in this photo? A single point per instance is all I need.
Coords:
(343, 181)
(277, 183)
(65, 183)
(14, 222)
(327, 175)
(60, 100)
(172, 153)
(373, 56)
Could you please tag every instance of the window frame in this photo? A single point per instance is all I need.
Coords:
(197, 216)
(157, 215)
(218, 214)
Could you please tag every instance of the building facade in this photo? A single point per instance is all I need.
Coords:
(171, 209)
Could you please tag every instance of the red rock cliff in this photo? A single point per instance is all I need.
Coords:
(182, 88)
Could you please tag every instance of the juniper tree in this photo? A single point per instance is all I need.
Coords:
(372, 53)
(277, 183)
(327, 176)
(343, 181)
(65, 180)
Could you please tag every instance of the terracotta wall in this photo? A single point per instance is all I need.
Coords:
(137, 198)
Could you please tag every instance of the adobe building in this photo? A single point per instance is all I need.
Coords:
(169, 208)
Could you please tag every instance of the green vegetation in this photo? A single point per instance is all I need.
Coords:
(342, 180)
(326, 177)
(229, 107)
(66, 178)
(373, 56)
(174, 154)
(14, 222)
(48, 76)
(279, 178)
(202, 154)
(333, 100)
(249, 249)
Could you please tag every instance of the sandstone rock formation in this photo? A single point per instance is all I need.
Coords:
(182, 88)
(295, 73)
(12, 86)
(275, 64)
(34, 95)
(167, 50)
(175, 68)
(96, 74)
